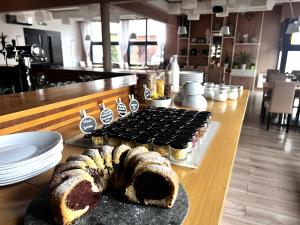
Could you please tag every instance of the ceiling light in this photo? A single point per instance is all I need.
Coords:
(88, 37)
(225, 30)
(293, 27)
(133, 36)
(293, 24)
(189, 4)
(174, 8)
(182, 30)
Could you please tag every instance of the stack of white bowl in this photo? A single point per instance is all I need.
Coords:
(221, 92)
(192, 92)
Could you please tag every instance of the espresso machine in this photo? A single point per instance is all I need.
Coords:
(23, 55)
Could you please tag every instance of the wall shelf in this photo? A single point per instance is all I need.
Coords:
(237, 43)
(199, 44)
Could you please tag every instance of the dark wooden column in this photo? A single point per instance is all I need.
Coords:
(105, 18)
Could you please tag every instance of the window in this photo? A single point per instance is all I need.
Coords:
(147, 46)
(96, 45)
(295, 38)
(292, 61)
(290, 50)
(147, 38)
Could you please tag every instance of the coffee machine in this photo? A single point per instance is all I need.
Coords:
(23, 55)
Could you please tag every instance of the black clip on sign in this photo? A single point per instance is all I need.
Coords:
(121, 108)
(133, 104)
(147, 92)
(87, 123)
(106, 115)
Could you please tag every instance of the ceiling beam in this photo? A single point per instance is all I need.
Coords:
(23, 5)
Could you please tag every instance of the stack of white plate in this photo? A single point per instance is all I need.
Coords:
(190, 76)
(25, 155)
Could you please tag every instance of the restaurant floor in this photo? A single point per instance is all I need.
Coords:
(265, 183)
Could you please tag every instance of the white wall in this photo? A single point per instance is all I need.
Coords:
(70, 34)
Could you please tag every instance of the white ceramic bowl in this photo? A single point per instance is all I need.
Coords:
(159, 103)
(209, 93)
(209, 84)
(195, 102)
(220, 95)
(233, 93)
(192, 88)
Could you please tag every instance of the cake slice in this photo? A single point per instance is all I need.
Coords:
(58, 178)
(102, 171)
(92, 168)
(153, 185)
(71, 165)
(73, 198)
(132, 154)
(95, 155)
(119, 180)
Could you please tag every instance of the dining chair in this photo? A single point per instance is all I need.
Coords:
(271, 71)
(281, 101)
(215, 75)
(272, 78)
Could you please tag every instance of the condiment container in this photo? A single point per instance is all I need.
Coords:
(161, 145)
(220, 95)
(233, 93)
(98, 137)
(209, 92)
(178, 150)
(144, 140)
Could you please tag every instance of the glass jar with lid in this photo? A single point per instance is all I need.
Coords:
(98, 137)
(178, 150)
(144, 140)
(162, 146)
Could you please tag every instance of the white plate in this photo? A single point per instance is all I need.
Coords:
(28, 176)
(21, 148)
(30, 168)
(31, 165)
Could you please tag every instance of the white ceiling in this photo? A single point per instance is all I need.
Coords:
(205, 6)
(92, 12)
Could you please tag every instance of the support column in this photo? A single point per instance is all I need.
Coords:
(105, 18)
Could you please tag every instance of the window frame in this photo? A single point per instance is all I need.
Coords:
(145, 43)
(286, 46)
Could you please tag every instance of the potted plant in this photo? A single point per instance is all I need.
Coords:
(235, 65)
(252, 66)
(243, 59)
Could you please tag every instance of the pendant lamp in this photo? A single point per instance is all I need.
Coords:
(293, 24)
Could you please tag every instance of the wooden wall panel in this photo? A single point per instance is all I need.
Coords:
(270, 40)
(171, 44)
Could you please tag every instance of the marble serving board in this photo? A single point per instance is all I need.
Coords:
(112, 211)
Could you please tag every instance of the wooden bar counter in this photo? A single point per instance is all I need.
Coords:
(206, 186)
(52, 108)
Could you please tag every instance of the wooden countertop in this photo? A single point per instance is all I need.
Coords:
(134, 70)
(206, 186)
(27, 100)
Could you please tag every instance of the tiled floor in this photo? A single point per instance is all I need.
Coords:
(265, 183)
